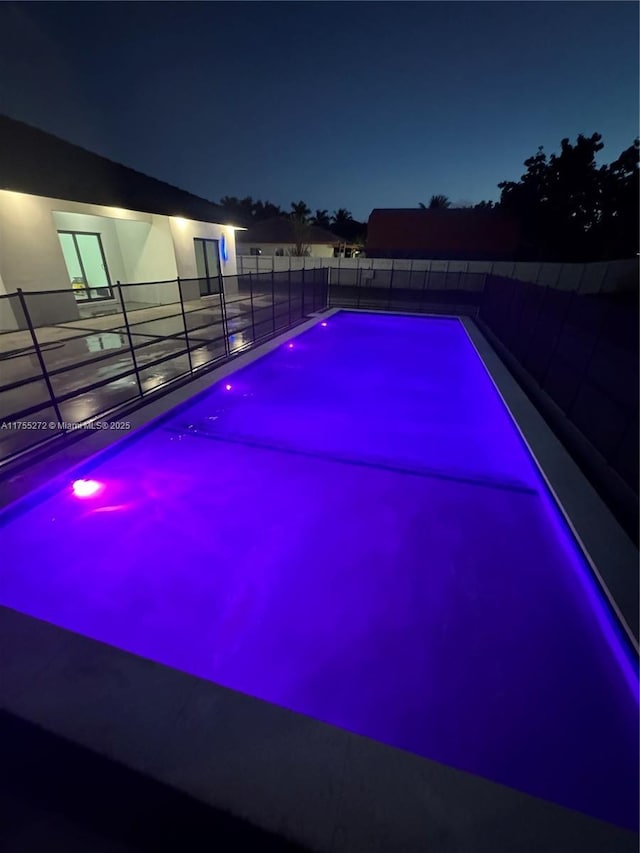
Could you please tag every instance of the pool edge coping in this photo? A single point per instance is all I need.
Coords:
(610, 553)
(310, 782)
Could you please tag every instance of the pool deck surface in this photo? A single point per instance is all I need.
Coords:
(322, 785)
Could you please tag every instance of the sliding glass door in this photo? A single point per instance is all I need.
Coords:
(86, 265)
(208, 265)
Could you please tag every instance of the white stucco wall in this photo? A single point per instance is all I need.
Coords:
(138, 247)
(8, 322)
(185, 231)
(30, 253)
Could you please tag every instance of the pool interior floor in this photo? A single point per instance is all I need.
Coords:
(352, 528)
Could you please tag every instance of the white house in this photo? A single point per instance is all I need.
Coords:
(75, 223)
(281, 236)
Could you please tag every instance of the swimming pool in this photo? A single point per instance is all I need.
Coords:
(352, 527)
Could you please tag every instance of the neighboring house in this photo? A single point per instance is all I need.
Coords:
(281, 236)
(74, 221)
(452, 234)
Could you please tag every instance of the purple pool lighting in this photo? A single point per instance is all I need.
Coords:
(227, 387)
(360, 536)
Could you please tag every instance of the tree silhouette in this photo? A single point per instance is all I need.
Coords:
(620, 222)
(300, 211)
(341, 217)
(239, 209)
(344, 225)
(322, 219)
(265, 210)
(571, 210)
(246, 210)
(439, 202)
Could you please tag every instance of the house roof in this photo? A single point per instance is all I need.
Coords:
(281, 230)
(38, 163)
(464, 233)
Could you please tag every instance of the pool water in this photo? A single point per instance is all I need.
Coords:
(352, 527)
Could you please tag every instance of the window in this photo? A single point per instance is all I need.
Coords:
(279, 253)
(86, 265)
(255, 251)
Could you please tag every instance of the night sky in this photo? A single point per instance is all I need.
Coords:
(355, 105)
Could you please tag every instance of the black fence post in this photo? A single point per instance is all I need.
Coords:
(290, 293)
(253, 319)
(129, 338)
(43, 367)
(273, 303)
(223, 311)
(390, 288)
(358, 286)
(184, 324)
(314, 289)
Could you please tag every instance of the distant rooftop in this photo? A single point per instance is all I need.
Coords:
(35, 162)
(281, 230)
(452, 233)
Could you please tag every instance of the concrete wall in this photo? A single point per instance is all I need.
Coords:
(590, 278)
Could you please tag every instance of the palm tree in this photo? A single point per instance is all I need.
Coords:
(271, 210)
(341, 216)
(300, 211)
(321, 219)
(239, 208)
(262, 210)
(439, 202)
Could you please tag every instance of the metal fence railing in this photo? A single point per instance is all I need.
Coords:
(579, 348)
(432, 291)
(593, 277)
(65, 364)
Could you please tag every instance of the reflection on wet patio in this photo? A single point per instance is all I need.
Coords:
(107, 357)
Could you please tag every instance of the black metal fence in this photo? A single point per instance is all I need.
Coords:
(406, 290)
(581, 350)
(69, 363)
(577, 349)
(64, 363)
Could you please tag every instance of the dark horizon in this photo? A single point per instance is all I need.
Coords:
(354, 105)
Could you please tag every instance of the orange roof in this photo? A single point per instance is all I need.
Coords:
(463, 233)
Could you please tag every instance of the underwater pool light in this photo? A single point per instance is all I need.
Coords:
(86, 488)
